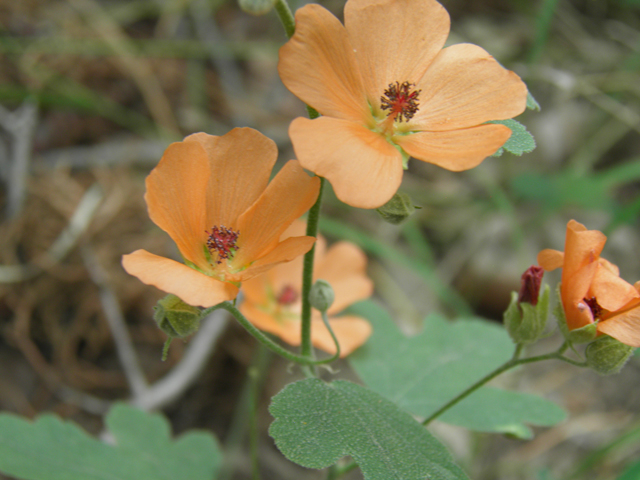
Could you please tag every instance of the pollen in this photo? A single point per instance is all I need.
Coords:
(287, 295)
(401, 99)
(222, 241)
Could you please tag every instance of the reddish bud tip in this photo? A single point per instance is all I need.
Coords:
(530, 285)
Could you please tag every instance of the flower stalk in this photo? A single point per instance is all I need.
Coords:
(508, 365)
(307, 276)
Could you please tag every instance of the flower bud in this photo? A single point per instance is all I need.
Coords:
(396, 210)
(524, 321)
(321, 295)
(530, 285)
(256, 7)
(606, 355)
(176, 318)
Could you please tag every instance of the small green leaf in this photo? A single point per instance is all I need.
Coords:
(423, 372)
(317, 423)
(53, 449)
(520, 141)
(532, 103)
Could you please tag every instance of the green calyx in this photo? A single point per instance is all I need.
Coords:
(606, 355)
(321, 295)
(524, 322)
(176, 318)
(398, 209)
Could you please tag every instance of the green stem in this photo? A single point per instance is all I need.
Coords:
(307, 276)
(513, 362)
(286, 17)
(261, 337)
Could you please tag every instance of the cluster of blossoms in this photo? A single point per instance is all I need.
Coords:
(386, 89)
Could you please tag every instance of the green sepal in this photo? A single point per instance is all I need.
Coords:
(398, 209)
(606, 355)
(176, 318)
(524, 322)
(583, 334)
(321, 295)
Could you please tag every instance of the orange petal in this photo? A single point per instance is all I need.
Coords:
(364, 169)
(624, 327)
(550, 259)
(464, 87)
(351, 332)
(240, 164)
(344, 267)
(291, 193)
(176, 198)
(318, 66)
(284, 252)
(611, 291)
(394, 41)
(191, 286)
(573, 290)
(581, 247)
(287, 330)
(455, 150)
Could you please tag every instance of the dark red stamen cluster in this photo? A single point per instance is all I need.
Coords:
(596, 309)
(223, 241)
(287, 295)
(401, 100)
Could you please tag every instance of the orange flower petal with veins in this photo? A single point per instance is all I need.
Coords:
(212, 195)
(272, 300)
(383, 82)
(590, 282)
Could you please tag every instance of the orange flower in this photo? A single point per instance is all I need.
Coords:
(273, 304)
(592, 289)
(388, 90)
(210, 194)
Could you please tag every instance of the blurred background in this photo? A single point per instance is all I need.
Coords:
(92, 92)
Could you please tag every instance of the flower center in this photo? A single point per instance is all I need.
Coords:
(222, 241)
(595, 307)
(401, 99)
(287, 295)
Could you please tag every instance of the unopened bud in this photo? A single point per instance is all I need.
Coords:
(530, 285)
(396, 210)
(176, 318)
(321, 295)
(606, 355)
(256, 7)
(525, 322)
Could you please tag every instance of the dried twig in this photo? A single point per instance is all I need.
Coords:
(113, 313)
(20, 124)
(64, 243)
(186, 372)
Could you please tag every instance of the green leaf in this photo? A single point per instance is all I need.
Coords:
(424, 372)
(532, 103)
(317, 423)
(53, 449)
(631, 473)
(520, 141)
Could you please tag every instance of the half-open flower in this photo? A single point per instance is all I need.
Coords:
(388, 90)
(273, 300)
(213, 197)
(592, 289)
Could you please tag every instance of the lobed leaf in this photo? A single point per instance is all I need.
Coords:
(422, 373)
(53, 449)
(317, 423)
